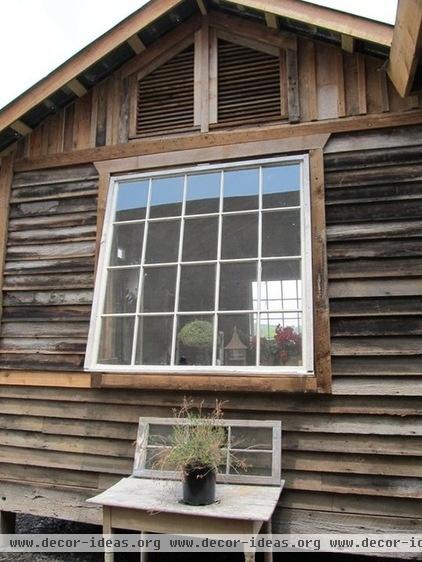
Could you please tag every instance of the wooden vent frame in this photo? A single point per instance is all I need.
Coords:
(255, 60)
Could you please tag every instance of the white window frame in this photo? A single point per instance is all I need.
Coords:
(307, 368)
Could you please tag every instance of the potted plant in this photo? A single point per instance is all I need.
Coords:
(195, 341)
(196, 448)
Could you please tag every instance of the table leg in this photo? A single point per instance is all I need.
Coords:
(268, 556)
(249, 556)
(144, 554)
(107, 530)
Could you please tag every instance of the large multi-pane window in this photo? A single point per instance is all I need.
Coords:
(206, 268)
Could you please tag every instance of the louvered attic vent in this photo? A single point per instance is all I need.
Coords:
(165, 97)
(248, 84)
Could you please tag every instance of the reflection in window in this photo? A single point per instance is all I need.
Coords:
(205, 269)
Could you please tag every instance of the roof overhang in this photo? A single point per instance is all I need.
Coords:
(156, 18)
(404, 67)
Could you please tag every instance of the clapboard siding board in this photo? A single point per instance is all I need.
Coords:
(49, 270)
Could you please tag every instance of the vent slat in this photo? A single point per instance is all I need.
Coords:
(248, 84)
(165, 101)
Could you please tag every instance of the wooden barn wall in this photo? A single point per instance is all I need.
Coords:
(331, 84)
(356, 452)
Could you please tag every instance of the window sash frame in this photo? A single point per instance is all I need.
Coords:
(308, 366)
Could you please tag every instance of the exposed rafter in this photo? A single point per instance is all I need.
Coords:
(348, 43)
(271, 20)
(136, 44)
(202, 7)
(76, 87)
(21, 128)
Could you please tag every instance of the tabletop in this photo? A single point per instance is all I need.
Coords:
(233, 501)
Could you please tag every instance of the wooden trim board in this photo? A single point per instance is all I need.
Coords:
(253, 382)
(283, 131)
(45, 378)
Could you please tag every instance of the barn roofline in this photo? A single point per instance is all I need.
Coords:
(155, 18)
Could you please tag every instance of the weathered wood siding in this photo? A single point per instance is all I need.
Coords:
(331, 84)
(48, 282)
(356, 452)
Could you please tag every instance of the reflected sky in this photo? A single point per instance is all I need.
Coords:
(132, 196)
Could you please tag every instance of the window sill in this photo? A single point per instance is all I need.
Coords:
(210, 381)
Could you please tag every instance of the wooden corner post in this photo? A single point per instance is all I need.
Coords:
(322, 339)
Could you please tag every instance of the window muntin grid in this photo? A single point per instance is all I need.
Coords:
(186, 205)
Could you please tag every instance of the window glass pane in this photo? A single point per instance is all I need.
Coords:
(241, 188)
(154, 340)
(281, 186)
(116, 340)
(236, 283)
(159, 289)
(166, 197)
(280, 285)
(236, 343)
(197, 287)
(281, 233)
(162, 242)
(203, 193)
(281, 338)
(239, 236)
(127, 244)
(200, 239)
(194, 340)
(122, 290)
(132, 199)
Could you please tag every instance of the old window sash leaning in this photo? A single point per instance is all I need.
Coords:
(256, 442)
(148, 307)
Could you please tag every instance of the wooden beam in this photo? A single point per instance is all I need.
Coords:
(221, 383)
(208, 154)
(341, 93)
(76, 87)
(292, 85)
(163, 50)
(136, 44)
(84, 59)
(361, 85)
(251, 30)
(318, 16)
(204, 69)
(213, 79)
(406, 46)
(202, 7)
(271, 20)
(319, 272)
(6, 177)
(103, 185)
(21, 128)
(348, 43)
(45, 378)
(222, 138)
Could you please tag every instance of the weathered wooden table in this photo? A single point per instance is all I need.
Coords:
(153, 505)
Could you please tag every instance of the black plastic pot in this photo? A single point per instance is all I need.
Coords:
(199, 486)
